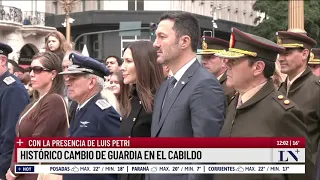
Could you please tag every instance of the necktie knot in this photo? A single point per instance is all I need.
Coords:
(172, 81)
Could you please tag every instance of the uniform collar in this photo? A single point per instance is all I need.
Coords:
(290, 82)
(83, 104)
(250, 93)
(184, 68)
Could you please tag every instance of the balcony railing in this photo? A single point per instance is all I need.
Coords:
(10, 14)
(34, 18)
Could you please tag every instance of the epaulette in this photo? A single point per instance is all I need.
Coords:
(103, 104)
(283, 101)
(9, 80)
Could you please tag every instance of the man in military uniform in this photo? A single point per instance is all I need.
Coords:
(94, 117)
(13, 100)
(301, 86)
(314, 62)
(259, 110)
(214, 64)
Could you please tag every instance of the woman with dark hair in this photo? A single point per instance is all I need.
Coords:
(46, 116)
(56, 42)
(142, 76)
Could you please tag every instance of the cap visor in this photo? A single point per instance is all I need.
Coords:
(229, 55)
(72, 72)
(314, 62)
(204, 53)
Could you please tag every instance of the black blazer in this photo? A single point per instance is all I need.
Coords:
(137, 124)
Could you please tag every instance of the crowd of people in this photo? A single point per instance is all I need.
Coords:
(246, 87)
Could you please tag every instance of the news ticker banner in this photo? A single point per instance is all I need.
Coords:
(160, 150)
(162, 169)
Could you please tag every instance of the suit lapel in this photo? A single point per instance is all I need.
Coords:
(157, 107)
(175, 93)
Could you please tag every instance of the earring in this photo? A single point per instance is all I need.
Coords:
(52, 78)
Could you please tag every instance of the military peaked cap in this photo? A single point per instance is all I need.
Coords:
(244, 44)
(5, 49)
(314, 56)
(211, 45)
(83, 64)
(294, 40)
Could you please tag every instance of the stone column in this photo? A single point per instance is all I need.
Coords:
(296, 16)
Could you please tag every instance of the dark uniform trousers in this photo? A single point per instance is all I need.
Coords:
(13, 100)
(228, 91)
(93, 120)
(305, 92)
(266, 115)
(137, 124)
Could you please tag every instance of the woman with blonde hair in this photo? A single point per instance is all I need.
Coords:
(47, 115)
(56, 42)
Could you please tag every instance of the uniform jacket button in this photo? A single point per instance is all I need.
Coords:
(134, 119)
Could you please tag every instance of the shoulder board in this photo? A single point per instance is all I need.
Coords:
(9, 80)
(283, 101)
(103, 104)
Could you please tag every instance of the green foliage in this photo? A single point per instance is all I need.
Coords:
(277, 18)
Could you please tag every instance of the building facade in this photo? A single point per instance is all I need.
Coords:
(99, 15)
(22, 26)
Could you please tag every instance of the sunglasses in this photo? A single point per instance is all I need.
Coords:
(38, 69)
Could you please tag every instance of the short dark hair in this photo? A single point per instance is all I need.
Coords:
(269, 68)
(119, 60)
(16, 67)
(185, 24)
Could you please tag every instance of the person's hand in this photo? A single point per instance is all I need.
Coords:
(9, 175)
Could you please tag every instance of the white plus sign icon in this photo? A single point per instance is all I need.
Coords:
(19, 142)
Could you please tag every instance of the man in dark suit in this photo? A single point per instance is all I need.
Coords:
(259, 110)
(13, 100)
(216, 65)
(94, 117)
(301, 86)
(191, 102)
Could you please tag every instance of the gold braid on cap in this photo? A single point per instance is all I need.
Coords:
(229, 54)
(210, 51)
(312, 60)
(249, 53)
(292, 45)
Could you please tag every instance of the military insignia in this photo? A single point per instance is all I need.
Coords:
(279, 42)
(84, 123)
(280, 97)
(204, 45)
(103, 104)
(286, 102)
(232, 41)
(311, 56)
(9, 80)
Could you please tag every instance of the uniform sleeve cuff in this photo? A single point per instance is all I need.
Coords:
(12, 173)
